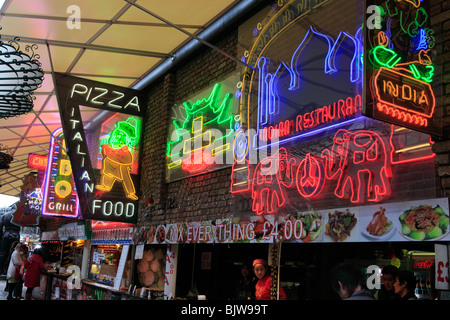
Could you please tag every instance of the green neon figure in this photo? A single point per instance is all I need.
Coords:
(118, 157)
(211, 111)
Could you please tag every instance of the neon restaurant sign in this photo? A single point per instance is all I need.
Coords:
(400, 71)
(105, 159)
(305, 101)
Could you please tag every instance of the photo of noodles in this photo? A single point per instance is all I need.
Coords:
(424, 222)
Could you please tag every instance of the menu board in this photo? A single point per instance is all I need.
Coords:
(419, 220)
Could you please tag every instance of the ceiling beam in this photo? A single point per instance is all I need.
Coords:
(189, 34)
(79, 45)
(101, 21)
(26, 139)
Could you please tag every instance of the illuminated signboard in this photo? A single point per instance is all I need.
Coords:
(37, 161)
(202, 131)
(307, 77)
(305, 143)
(60, 197)
(399, 66)
(104, 156)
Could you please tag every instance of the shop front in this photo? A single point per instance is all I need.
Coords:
(317, 151)
(320, 153)
(97, 187)
(110, 261)
(64, 256)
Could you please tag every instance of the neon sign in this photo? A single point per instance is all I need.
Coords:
(37, 161)
(104, 97)
(101, 198)
(291, 75)
(359, 161)
(60, 197)
(404, 98)
(400, 69)
(118, 157)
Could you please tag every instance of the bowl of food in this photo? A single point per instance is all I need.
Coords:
(424, 223)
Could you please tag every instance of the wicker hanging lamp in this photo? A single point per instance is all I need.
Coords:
(20, 76)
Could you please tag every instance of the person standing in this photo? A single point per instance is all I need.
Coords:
(264, 284)
(19, 286)
(348, 282)
(246, 285)
(387, 292)
(9, 235)
(404, 285)
(13, 275)
(34, 265)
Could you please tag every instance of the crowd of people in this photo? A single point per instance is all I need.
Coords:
(24, 269)
(255, 283)
(347, 281)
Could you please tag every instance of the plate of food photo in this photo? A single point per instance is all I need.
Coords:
(423, 223)
(378, 226)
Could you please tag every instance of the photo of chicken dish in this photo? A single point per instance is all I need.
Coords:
(380, 224)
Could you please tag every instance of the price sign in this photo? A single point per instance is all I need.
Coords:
(122, 262)
(171, 271)
(442, 275)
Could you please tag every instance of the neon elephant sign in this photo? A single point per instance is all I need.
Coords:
(350, 154)
(359, 160)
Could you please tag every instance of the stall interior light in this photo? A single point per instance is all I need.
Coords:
(420, 146)
(2, 3)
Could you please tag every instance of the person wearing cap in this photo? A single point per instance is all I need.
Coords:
(264, 284)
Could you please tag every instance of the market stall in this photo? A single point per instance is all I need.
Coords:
(110, 261)
(66, 261)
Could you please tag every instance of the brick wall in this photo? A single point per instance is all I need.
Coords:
(440, 20)
(207, 196)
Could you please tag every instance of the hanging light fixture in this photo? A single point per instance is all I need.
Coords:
(5, 156)
(20, 76)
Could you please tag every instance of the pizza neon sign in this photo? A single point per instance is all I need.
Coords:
(108, 190)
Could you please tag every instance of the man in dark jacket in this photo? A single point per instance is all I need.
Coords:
(9, 233)
(348, 282)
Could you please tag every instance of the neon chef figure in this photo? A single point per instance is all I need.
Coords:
(117, 157)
